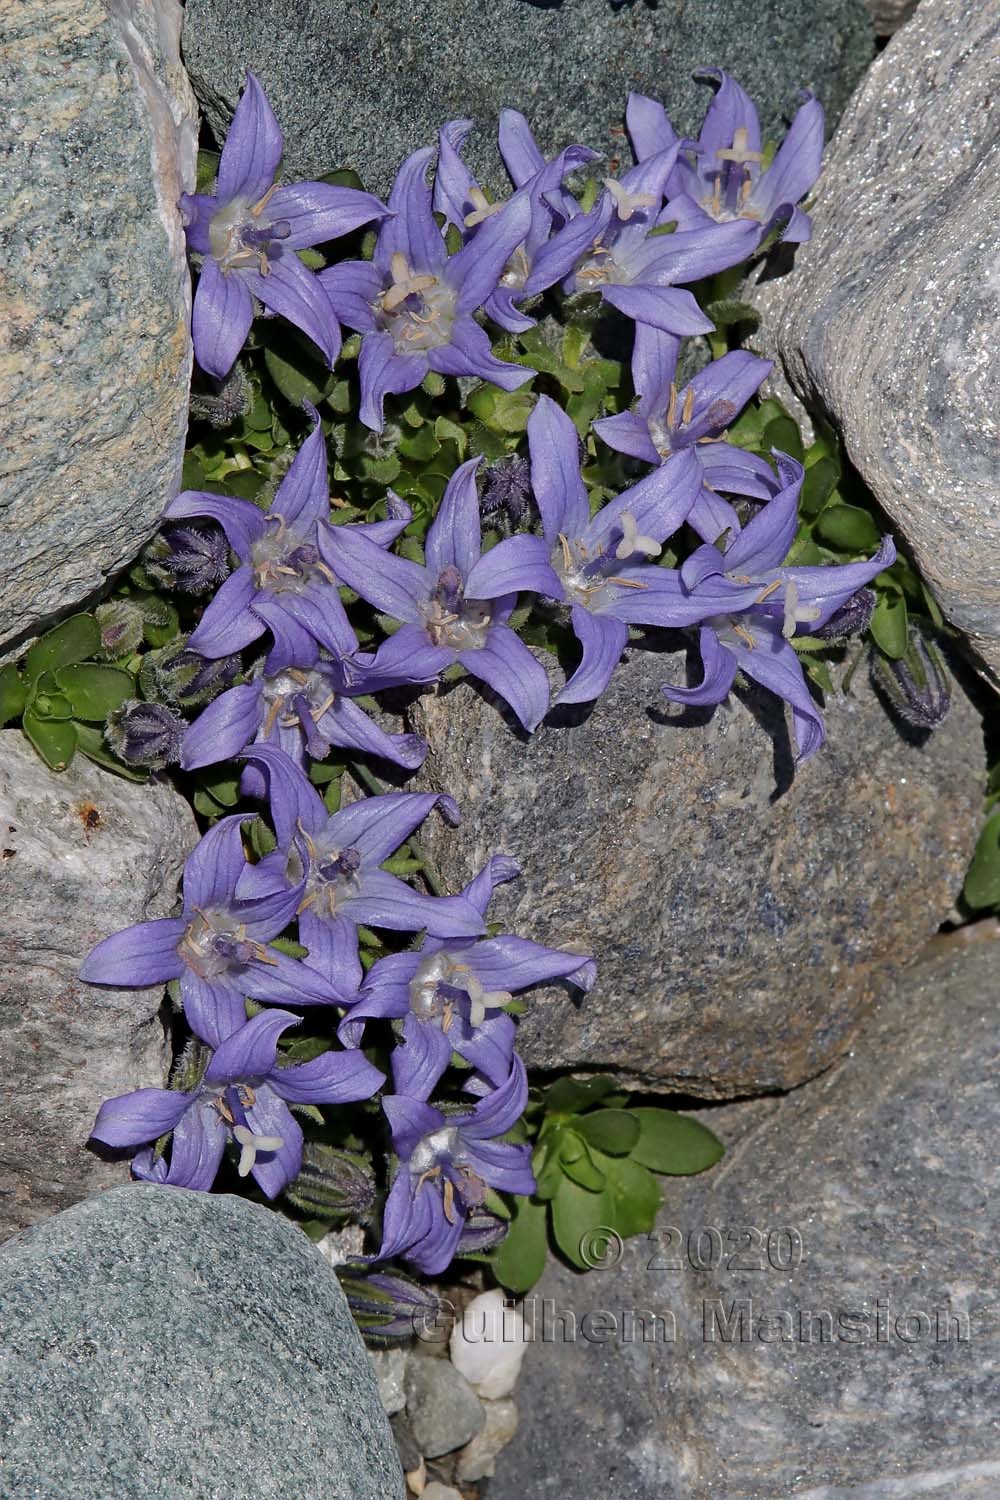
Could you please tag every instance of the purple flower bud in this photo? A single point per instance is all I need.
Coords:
(193, 557)
(916, 686)
(507, 490)
(145, 734)
(225, 401)
(333, 1185)
(852, 618)
(390, 1307)
(121, 625)
(185, 678)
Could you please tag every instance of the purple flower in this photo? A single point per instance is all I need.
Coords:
(752, 607)
(623, 251)
(307, 709)
(450, 995)
(193, 558)
(248, 233)
(455, 608)
(243, 1096)
(217, 948)
(331, 865)
(458, 196)
(446, 1164)
(667, 421)
(603, 564)
(413, 303)
(282, 580)
(726, 181)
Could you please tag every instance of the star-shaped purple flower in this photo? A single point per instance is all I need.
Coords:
(446, 1163)
(623, 251)
(604, 564)
(459, 197)
(332, 865)
(248, 232)
(413, 303)
(243, 1096)
(218, 947)
(455, 608)
(450, 995)
(725, 181)
(752, 607)
(667, 421)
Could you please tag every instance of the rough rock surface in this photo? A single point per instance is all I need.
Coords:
(888, 319)
(846, 1246)
(82, 854)
(362, 86)
(443, 1410)
(95, 357)
(889, 15)
(739, 934)
(192, 1345)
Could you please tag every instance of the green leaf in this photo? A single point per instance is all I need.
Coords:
(728, 311)
(13, 694)
(90, 742)
(633, 1195)
(577, 1163)
(95, 691)
(888, 626)
(298, 378)
(848, 528)
(818, 485)
(673, 1143)
(570, 1095)
(519, 1260)
(576, 1214)
(54, 739)
(783, 433)
(982, 883)
(614, 1131)
(72, 641)
(223, 789)
(547, 1169)
(291, 948)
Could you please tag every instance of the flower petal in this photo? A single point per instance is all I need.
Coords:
(518, 563)
(556, 482)
(228, 623)
(719, 665)
(394, 585)
(418, 1064)
(253, 148)
(387, 901)
(293, 291)
(454, 536)
(476, 269)
(507, 666)
(196, 1149)
(242, 521)
(331, 1078)
(270, 1116)
(321, 211)
(215, 864)
(220, 319)
(603, 639)
(250, 1052)
(649, 128)
(469, 352)
(353, 288)
(775, 665)
(663, 307)
(142, 955)
(145, 1115)
(214, 1009)
(412, 230)
(384, 373)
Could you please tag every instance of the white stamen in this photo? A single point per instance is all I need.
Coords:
(626, 203)
(482, 208)
(738, 151)
(633, 540)
(796, 614)
(251, 1144)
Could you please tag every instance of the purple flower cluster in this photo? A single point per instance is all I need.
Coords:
(447, 262)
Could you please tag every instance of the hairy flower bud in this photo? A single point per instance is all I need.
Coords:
(390, 1307)
(173, 674)
(507, 490)
(333, 1184)
(852, 618)
(193, 557)
(223, 401)
(917, 685)
(121, 625)
(145, 734)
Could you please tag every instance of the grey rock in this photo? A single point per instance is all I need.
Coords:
(739, 934)
(889, 15)
(192, 1345)
(444, 1411)
(82, 854)
(887, 319)
(866, 1366)
(477, 1459)
(406, 1447)
(96, 361)
(356, 88)
(390, 1370)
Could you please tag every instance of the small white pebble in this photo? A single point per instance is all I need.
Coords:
(488, 1345)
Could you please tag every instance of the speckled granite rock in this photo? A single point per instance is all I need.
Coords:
(95, 358)
(889, 15)
(848, 1241)
(362, 86)
(443, 1410)
(739, 934)
(191, 1345)
(82, 854)
(888, 320)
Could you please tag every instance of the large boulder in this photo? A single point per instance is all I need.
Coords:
(743, 919)
(826, 1297)
(96, 364)
(888, 320)
(82, 854)
(360, 86)
(159, 1342)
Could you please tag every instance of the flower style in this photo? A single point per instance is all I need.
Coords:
(248, 233)
(450, 995)
(727, 180)
(217, 948)
(623, 250)
(603, 564)
(446, 1164)
(456, 607)
(243, 1095)
(331, 866)
(413, 303)
(459, 197)
(752, 607)
(667, 421)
